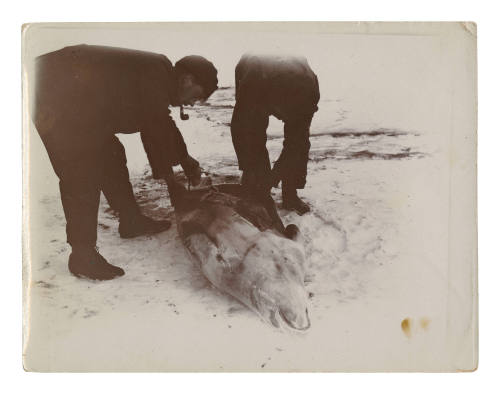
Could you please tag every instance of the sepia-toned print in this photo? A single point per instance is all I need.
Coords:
(250, 197)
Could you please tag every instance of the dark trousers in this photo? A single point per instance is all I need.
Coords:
(248, 131)
(291, 166)
(84, 171)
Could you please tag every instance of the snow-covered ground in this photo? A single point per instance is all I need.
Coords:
(373, 189)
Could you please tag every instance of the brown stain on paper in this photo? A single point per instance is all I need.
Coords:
(424, 323)
(406, 327)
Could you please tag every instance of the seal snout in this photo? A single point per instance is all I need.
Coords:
(297, 322)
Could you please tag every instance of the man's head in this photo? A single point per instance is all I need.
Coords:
(196, 78)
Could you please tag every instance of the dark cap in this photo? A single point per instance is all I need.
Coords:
(203, 71)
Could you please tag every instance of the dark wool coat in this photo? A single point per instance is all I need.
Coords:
(85, 94)
(283, 86)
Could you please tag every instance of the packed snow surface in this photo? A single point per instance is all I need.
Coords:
(364, 242)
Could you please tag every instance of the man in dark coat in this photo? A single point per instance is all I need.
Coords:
(286, 87)
(86, 94)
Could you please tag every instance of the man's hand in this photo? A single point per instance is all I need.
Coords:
(192, 170)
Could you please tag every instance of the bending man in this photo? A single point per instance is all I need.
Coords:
(287, 88)
(84, 95)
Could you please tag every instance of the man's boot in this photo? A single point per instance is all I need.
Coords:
(136, 225)
(87, 262)
(292, 202)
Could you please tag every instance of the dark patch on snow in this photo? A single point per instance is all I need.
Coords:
(111, 211)
(46, 264)
(45, 285)
(350, 133)
(217, 106)
(89, 313)
(364, 155)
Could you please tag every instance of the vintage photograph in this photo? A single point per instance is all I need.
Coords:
(249, 197)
